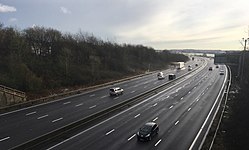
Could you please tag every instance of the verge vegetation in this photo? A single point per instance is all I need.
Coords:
(41, 60)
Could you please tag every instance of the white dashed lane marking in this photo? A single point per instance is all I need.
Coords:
(42, 117)
(158, 142)
(57, 120)
(155, 119)
(155, 104)
(31, 113)
(136, 115)
(131, 137)
(110, 132)
(171, 106)
(92, 95)
(78, 105)
(92, 106)
(3, 139)
(103, 96)
(189, 109)
(176, 122)
(66, 103)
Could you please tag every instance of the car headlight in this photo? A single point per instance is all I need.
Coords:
(147, 135)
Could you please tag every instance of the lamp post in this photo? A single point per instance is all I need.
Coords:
(243, 60)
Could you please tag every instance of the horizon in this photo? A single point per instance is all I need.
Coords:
(177, 24)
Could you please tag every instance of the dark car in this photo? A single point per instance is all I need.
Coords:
(172, 76)
(210, 68)
(147, 131)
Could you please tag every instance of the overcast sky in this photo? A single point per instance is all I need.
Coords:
(161, 24)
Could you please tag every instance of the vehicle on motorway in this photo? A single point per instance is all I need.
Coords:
(172, 76)
(196, 65)
(217, 66)
(189, 69)
(160, 76)
(222, 72)
(210, 68)
(116, 91)
(178, 65)
(147, 131)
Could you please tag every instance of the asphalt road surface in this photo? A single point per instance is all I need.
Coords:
(180, 111)
(25, 124)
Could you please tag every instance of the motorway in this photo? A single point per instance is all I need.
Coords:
(179, 109)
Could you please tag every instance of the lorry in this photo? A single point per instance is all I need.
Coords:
(178, 65)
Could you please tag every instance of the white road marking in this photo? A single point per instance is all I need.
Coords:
(189, 109)
(110, 132)
(167, 97)
(78, 105)
(171, 106)
(176, 122)
(116, 97)
(92, 106)
(31, 113)
(155, 104)
(57, 120)
(92, 95)
(182, 98)
(195, 87)
(136, 115)
(104, 96)
(42, 117)
(189, 92)
(6, 138)
(132, 137)
(132, 91)
(155, 119)
(66, 103)
(158, 142)
(197, 99)
(78, 134)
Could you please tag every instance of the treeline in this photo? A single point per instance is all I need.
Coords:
(41, 58)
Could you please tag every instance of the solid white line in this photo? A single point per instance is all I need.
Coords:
(74, 136)
(158, 142)
(92, 106)
(66, 103)
(42, 117)
(57, 120)
(78, 105)
(155, 104)
(171, 106)
(176, 122)
(155, 119)
(209, 114)
(136, 115)
(6, 138)
(189, 109)
(197, 99)
(110, 132)
(31, 113)
(132, 137)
